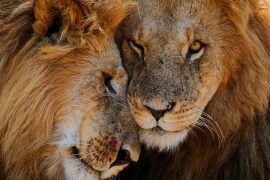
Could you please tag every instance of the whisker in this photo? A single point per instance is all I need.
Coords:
(212, 121)
(219, 135)
(192, 131)
(85, 156)
(211, 130)
(197, 126)
(207, 124)
(119, 100)
(211, 125)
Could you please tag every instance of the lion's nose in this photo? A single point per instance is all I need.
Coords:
(157, 114)
(123, 157)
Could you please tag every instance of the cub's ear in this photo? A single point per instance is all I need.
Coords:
(78, 18)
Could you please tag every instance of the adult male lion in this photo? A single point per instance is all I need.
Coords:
(62, 91)
(199, 77)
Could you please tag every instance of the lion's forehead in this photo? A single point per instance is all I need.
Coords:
(164, 23)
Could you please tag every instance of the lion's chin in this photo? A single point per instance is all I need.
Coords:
(113, 171)
(76, 170)
(162, 140)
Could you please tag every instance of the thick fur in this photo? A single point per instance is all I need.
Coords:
(239, 105)
(55, 57)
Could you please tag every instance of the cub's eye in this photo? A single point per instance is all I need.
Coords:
(137, 48)
(108, 83)
(195, 50)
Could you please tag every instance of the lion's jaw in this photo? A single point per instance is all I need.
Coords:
(95, 151)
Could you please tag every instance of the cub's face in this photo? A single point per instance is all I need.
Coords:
(175, 54)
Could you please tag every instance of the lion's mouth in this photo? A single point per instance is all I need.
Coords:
(158, 130)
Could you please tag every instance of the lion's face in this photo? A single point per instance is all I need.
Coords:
(72, 88)
(176, 56)
(94, 130)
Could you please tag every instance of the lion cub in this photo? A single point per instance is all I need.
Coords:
(63, 113)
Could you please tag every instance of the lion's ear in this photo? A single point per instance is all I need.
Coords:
(112, 12)
(54, 15)
(73, 18)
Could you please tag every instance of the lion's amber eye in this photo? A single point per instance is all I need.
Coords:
(195, 50)
(195, 46)
(137, 48)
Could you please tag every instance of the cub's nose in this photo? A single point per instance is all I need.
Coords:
(157, 114)
(123, 157)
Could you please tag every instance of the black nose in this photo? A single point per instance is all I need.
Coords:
(159, 113)
(123, 157)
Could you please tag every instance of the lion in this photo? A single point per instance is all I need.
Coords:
(63, 111)
(199, 88)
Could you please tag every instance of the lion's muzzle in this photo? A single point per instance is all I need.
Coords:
(105, 154)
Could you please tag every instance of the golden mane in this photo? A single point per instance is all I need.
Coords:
(17, 18)
(240, 107)
(246, 92)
